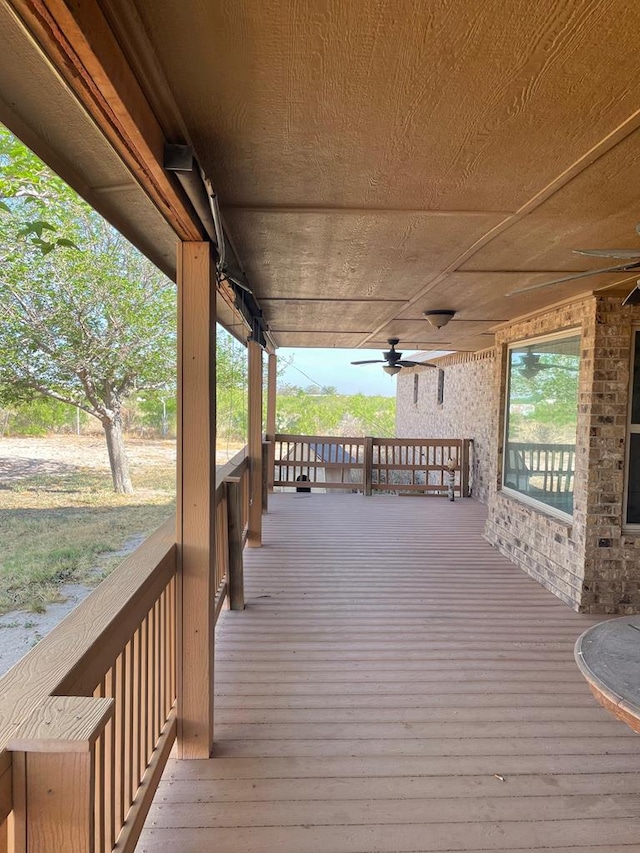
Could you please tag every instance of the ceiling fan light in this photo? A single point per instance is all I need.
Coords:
(391, 369)
(438, 318)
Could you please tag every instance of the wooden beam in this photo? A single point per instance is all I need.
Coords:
(196, 498)
(272, 375)
(236, 565)
(80, 44)
(254, 539)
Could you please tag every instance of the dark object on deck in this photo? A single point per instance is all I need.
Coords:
(302, 478)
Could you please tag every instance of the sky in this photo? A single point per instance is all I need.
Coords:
(332, 367)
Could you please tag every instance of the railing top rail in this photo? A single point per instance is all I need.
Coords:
(233, 468)
(72, 654)
(418, 442)
(319, 439)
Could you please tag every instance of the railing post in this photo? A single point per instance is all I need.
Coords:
(464, 469)
(367, 472)
(266, 452)
(236, 565)
(196, 497)
(254, 538)
(56, 803)
(272, 375)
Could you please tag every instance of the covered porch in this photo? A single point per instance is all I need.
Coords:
(394, 684)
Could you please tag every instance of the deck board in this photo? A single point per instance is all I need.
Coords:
(395, 685)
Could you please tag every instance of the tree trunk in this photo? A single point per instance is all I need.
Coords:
(117, 455)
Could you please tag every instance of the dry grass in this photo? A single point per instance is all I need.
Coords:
(60, 524)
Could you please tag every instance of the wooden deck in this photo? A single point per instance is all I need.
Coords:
(396, 685)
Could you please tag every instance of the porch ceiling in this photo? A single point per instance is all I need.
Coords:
(377, 160)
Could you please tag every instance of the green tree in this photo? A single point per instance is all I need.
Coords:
(87, 319)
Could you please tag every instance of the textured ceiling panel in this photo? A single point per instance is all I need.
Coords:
(598, 209)
(338, 255)
(320, 339)
(483, 297)
(439, 105)
(317, 316)
(375, 160)
(422, 332)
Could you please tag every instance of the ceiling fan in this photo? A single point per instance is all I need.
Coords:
(531, 365)
(630, 256)
(394, 360)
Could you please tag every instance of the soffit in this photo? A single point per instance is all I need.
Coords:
(377, 160)
(364, 152)
(37, 106)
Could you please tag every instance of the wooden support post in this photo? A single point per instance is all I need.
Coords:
(266, 452)
(236, 565)
(464, 469)
(196, 497)
(58, 786)
(254, 538)
(367, 473)
(272, 375)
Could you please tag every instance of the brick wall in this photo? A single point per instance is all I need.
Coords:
(547, 548)
(468, 409)
(588, 562)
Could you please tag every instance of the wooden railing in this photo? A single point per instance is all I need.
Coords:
(88, 717)
(540, 467)
(402, 465)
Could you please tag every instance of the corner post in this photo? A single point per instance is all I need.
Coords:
(272, 375)
(56, 800)
(254, 538)
(367, 471)
(196, 496)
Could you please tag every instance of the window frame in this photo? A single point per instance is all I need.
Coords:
(416, 388)
(539, 506)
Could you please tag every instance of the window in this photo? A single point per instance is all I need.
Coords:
(632, 514)
(415, 388)
(541, 420)
(440, 386)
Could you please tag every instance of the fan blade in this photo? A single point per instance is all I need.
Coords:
(574, 276)
(609, 253)
(374, 361)
(415, 364)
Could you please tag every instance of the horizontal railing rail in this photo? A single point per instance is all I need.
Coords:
(93, 706)
(401, 465)
(548, 467)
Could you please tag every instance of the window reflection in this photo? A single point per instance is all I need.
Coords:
(542, 405)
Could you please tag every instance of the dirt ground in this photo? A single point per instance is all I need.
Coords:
(23, 457)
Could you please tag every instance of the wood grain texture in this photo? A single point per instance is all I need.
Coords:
(270, 426)
(63, 724)
(196, 517)
(402, 688)
(365, 154)
(85, 52)
(254, 445)
(60, 796)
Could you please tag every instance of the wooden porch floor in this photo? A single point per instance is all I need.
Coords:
(396, 685)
